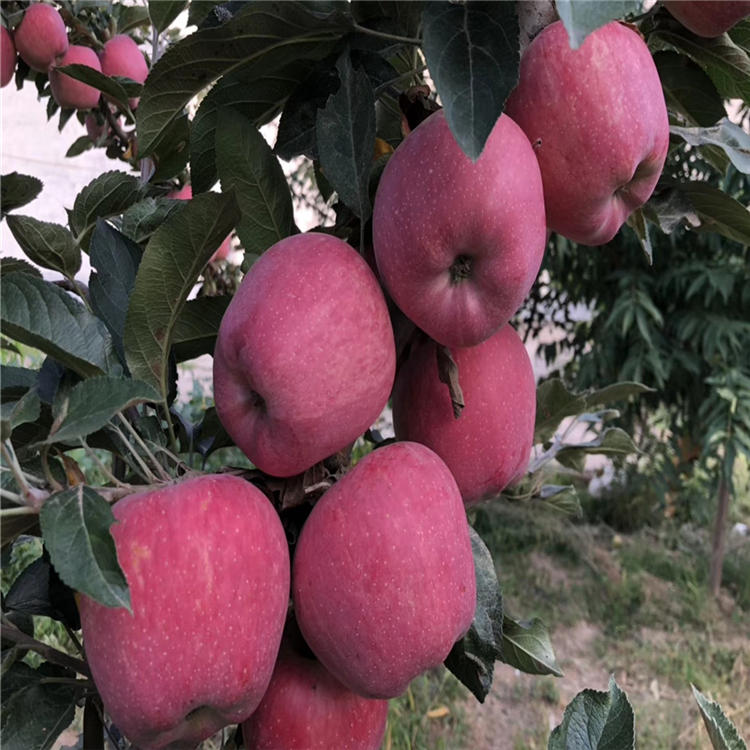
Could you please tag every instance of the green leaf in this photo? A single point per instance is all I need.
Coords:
(637, 222)
(553, 404)
(142, 219)
(259, 97)
(346, 137)
(15, 381)
(248, 167)
(472, 659)
(596, 721)
(611, 394)
(297, 133)
(115, 260)
(731, 138)
(472, 51)
(267, 34)
(90, 404)
(108, 195)
(176, 254)
(582, 17)
(84, 143)
(76, 528)
(130, 17)
(721, 731)
(48, 245)
(121, 90)
(15, 413)
(42, 315)
(17, 190)
(16, 265)
(612, 442)
(718, 211)
(726, 64)
(688, 90)
(406, 13)
(172, 153)
(563, 498)
(197, 327)
(163, 13)
(199, 9)
(527, 647)
(39, 713)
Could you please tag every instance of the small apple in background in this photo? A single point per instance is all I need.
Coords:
(598, 122)
(185, 193)
(69, 93)
(708, 19)
(489, 445)
(305, 357)
(459, 244)
(383, 577)
(7, 57)
(41, 38)
(207, 563)
(121, 57)
(306, 708)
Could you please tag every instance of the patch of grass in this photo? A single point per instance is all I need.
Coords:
(417, 720)
(616, 605)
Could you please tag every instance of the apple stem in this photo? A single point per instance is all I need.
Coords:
(448, 374)
(10, 456)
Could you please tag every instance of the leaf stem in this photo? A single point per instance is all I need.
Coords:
(164, 475)
(384, 35)
(107, 473)
(22, 510)
(146, 473)
(12, 633)
(10, 456)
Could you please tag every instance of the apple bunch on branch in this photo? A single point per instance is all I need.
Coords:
(294, 599)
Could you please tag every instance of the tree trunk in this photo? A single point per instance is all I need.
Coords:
(719, 537)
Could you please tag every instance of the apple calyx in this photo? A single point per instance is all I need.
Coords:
(461, 268)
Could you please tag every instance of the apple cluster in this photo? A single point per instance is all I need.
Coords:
(41, 40)
(381, 579)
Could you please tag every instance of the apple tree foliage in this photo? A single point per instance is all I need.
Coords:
(347, 82)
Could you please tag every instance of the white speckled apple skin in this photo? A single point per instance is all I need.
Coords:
(307, 708)
(434, 205)
(383, 574)
(309, 332)
(207, 564)
(599, 125)
(489, 445)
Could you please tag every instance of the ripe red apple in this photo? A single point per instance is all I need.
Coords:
(488, 446)
(7, 57)
(121, 57)
(708, 19)
(305, 358)
(598, 122)
(69, 93)
(41, 38)
(383, 577)
(207, 563)
(185, 193)
(306, 708)
(459, 244)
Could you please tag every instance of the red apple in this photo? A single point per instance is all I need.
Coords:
(459, 244)
(305, 358)
(306, 708)
(383, 577)
(708, 19)
(7, 57)
(207, 563)
(41, 38)
(185, 193)
(121, 57)
(598, 122)
(488, 446)
(69, 93)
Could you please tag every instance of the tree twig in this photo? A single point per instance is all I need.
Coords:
(51, 654)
